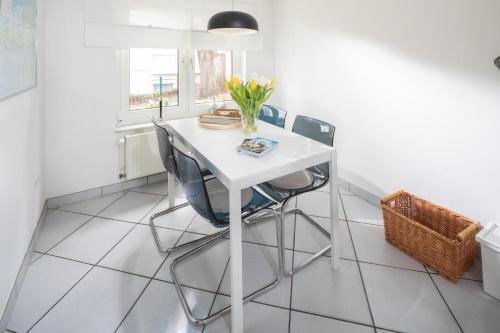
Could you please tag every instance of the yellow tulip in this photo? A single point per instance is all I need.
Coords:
(226, 84)
(271, 84)
(253, 84)
(235, 81)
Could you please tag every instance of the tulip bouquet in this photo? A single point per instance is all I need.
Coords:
(250, 96)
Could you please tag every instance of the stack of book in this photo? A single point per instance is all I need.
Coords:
(221, 117)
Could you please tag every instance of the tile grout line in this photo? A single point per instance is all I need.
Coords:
(293, 263)
(60, 299)
(71, 233)
(91, 269)
(303, 251)
(152, 208)
(249, 242)
(290, 249)
(304, 312)
(291, 309)
(357, 261)
(142, 292)
(156, 272)
(225, 270)
(222, 294)
(211, 292)
(444, 300)
(110, 219)
(388, 266)
(347, 220)
(97, 264)
(96, 216)
(359, 266)
(217, 291)
(334, 318)
(128, 273)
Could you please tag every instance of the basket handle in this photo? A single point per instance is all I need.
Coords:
(469, 231)
(391, 197)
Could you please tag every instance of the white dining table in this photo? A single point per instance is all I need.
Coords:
(216, 149)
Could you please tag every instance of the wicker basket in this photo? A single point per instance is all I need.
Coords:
(435, 236)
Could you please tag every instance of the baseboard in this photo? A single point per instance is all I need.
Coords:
(103, 190)
(126, 185)
(16, 289)
(368, 196)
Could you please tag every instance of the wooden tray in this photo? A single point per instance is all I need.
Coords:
(219, 126)
(227, 112)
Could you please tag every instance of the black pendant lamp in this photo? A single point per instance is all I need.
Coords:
(233, 23)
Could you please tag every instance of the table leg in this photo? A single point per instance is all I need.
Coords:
(171, 190)
(334, 211)
(236, 260)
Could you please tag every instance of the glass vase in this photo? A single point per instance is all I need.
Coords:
(249, 121)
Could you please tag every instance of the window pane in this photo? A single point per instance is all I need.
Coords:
(153, 72)
(212, 68)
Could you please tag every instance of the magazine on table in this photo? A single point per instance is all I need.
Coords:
(257, 147)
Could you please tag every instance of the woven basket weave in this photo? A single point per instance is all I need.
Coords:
(435, 236)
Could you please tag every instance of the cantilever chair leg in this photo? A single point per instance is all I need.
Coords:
(309, 260)
(262, 217)
(175, 248)
(255, 294)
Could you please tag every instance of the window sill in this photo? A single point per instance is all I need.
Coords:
(128, 126)
(133, 127)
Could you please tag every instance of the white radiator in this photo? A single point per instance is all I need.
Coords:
(139, 155)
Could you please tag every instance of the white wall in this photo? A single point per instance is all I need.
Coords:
(21, 175)
(83, 101)
(411, 87)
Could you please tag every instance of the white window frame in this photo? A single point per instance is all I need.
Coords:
(186, 106)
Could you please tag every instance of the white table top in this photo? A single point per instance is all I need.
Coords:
(217, 150)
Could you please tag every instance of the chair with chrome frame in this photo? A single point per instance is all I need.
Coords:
(272, 115)
(210, 199)
(283, 189)
(165, 147)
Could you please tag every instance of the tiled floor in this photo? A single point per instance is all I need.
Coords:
(96, 269)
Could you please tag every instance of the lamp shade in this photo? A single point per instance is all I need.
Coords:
(233, 23)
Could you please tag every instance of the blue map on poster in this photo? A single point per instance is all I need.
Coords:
(18, 20)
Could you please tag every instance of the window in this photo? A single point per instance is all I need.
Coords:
(211, 70)
(154, 75)
(187, 81)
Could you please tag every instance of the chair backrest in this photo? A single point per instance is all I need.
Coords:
(273, 115)
(193, 184)
(165, 147)
(314, 129)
